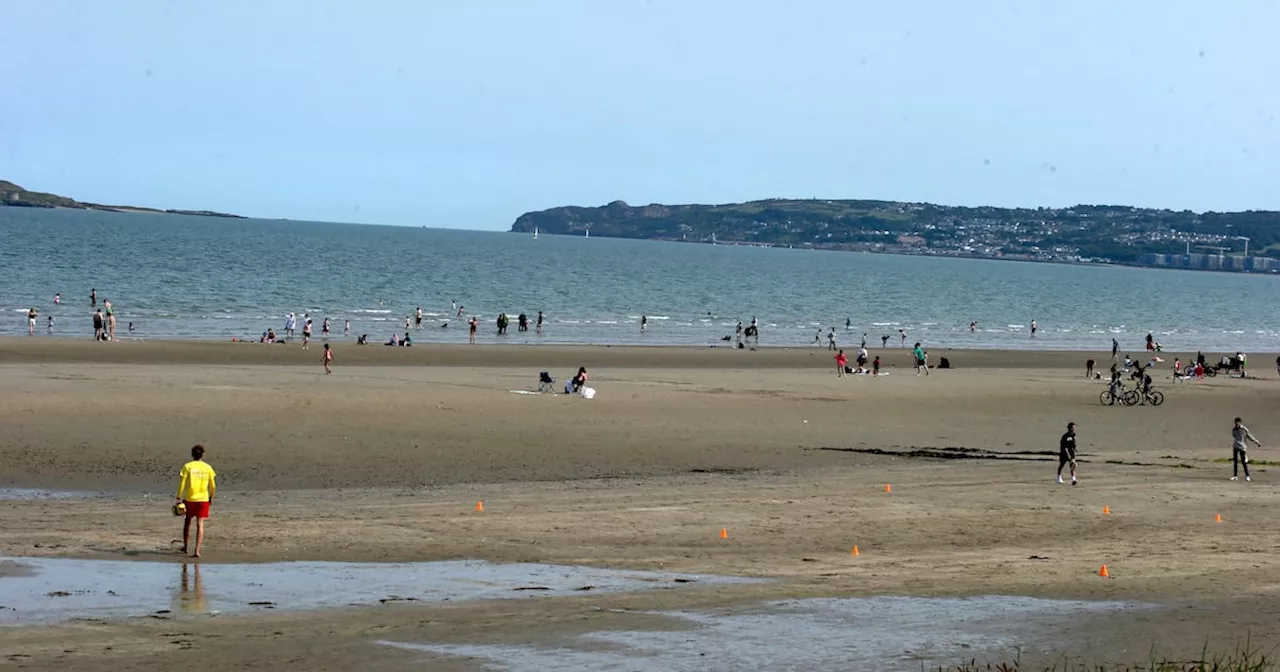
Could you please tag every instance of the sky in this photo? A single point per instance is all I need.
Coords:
(467, 113)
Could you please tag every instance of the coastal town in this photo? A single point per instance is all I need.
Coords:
(1239, 242)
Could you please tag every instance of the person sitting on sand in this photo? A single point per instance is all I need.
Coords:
(395, 340)
(363, 339)
(407, 340)
(579, 380)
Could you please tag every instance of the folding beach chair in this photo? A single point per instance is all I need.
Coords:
(546, 383)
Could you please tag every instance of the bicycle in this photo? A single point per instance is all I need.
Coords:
(1154, 397)
(1108, 398)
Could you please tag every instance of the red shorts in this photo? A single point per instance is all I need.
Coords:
(197, 509)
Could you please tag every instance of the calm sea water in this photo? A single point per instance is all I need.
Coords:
(193, 277)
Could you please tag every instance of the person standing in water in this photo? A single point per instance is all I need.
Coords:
(346, 328)
(306, 332)
(93, 298)
(57, 299)
(31, 321)
(474, 324)
(50, 325)
(644, 322)
(831, 339)
(973, 326)
(98, 325)
(111, 321)
(1240, 435)
(1067, 452)
(328, 357)
(290, 323)
(417, 318)
(539, 322)
(884, 341)
(848, 324)
(903, 334)
(324, 329)
(1034, 328)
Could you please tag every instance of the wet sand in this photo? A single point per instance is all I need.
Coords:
(386, 459)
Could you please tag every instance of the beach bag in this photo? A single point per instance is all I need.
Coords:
(588, 392)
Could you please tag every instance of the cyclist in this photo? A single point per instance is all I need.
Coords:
(1146, 388)
(1116, 385)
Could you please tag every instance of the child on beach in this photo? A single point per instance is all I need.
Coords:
(328, 357)
(306, 332)
(841, 361)
(875, 366)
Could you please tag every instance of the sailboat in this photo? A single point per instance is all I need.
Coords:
(535, 233)
(586, 233)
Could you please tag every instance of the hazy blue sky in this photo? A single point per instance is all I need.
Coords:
(467, 113)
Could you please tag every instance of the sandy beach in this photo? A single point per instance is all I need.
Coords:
(386, 459)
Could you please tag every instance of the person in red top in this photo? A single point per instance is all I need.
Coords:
(841, 361)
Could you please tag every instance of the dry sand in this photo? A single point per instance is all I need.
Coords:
(385, 460)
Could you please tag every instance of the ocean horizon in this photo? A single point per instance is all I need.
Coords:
(187, 277)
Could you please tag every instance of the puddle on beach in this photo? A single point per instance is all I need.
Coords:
(882, 633)
(45, 590)
(34, 494)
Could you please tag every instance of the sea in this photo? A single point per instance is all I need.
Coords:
(188, 277)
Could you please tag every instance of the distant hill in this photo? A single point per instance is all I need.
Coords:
(1118, 234)
(13, 195)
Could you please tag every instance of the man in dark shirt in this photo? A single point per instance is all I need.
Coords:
(1067, 452)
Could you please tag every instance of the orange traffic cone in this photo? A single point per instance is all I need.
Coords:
(479, 506)
(887, 488)
(854, 552)
(1106, 510)
(1104, 572)
(724, 533)
(1217, 517)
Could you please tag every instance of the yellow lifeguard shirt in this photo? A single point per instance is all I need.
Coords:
(196, 483)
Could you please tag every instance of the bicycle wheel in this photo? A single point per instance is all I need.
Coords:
(1211, 372)
(1130, 397)
(1106, 398)
(1156, 397)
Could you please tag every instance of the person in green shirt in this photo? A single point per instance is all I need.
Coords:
(921, 365)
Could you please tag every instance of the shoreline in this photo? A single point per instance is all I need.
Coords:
(36, 350)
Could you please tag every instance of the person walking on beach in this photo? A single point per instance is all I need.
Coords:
(1067, 452)
(196, 487)
(473, 325)
(324, 328)
(1239, 456)
(921, 365)
(817, 337)
(306, 332)
(93, 298)
(328, 357)
(903, 334)
(539, 322)
(31, 321)
(1115, 350)
(841, 362)
(417, 318)
(290, 323)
